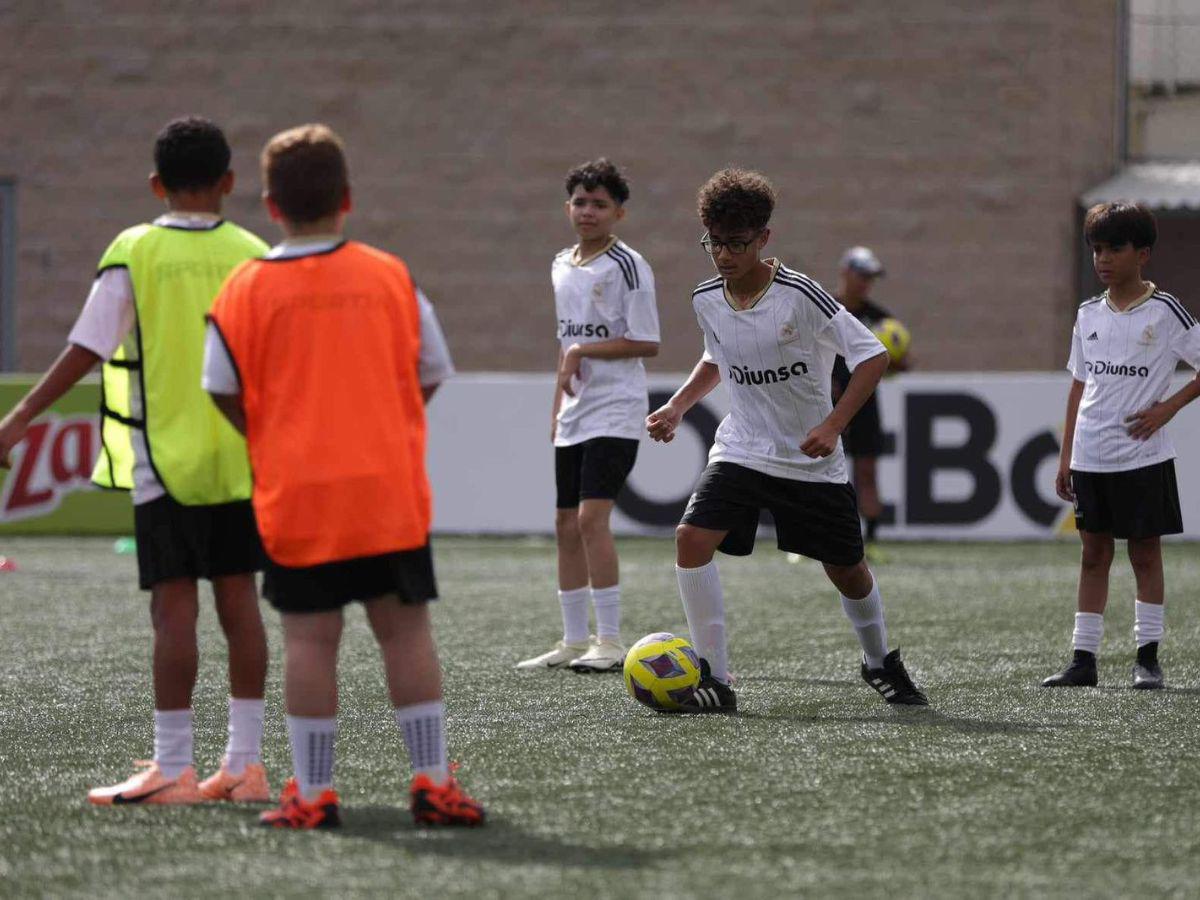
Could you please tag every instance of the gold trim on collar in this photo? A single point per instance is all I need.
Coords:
(576, 261)
(1136, 303)
(775, 264)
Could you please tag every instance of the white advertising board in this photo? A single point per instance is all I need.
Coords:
(970, 457)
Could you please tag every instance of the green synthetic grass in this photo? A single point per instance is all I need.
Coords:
(816, 789)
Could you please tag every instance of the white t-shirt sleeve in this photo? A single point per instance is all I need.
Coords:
(219, 374)
(435, 364)
(1075, 361)
(850, 338)
(107, 316)
(641, 308)
(1186, 345)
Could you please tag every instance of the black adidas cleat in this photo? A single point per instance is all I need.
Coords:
(1080, 673)
(892, 682)
(1147, 674)
(710, 695)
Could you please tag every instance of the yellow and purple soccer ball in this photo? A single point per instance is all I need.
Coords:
(894, 336)
(661, 670)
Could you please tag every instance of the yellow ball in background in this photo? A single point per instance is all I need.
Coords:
(894, 336)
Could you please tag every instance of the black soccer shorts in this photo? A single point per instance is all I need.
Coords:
(1137, 503)
(817, 519)
(593, 470)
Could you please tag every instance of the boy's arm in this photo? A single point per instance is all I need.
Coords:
(230, 406)
(661, 423)
(558, 395)
(1062, 481)
(822, 440)
(72, 364)
(1145, 423)
(614, 348)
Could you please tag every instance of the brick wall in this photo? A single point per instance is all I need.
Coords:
(951, 137)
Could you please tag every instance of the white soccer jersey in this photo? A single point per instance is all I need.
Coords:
(607, 295)
(1126, 359)
(776, 358)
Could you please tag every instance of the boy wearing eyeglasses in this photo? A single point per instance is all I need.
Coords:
(773, 333)
(607, 323)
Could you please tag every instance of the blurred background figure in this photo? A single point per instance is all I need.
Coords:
(863, 439)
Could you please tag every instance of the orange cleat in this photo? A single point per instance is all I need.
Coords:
(249, 787)
(443, 804)
(296, 812)
(150, 786)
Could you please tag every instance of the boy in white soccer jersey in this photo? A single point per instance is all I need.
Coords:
(773, 334)
(607, 322)
(1117, 462)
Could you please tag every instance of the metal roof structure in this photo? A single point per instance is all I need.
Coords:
(1159, 185)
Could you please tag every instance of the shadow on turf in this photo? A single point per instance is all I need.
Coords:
(913, 718)
(499, 840)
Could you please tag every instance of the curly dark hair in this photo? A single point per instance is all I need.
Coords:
(599, 173)
(190, 154)
(736, 200)
(1119, 224)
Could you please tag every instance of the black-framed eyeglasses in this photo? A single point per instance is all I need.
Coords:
(713, 247)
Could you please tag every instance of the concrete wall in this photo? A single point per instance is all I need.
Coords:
(953, 137)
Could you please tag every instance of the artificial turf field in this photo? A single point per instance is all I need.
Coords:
(817, 788)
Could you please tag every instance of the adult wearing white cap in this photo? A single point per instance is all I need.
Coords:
(863, 438)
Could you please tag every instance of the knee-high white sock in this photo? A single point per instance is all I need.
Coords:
(608, 612)
(245, 734)
(704, 606)
(312, 752)
(1147, 622)
(1089, 629)
(172, 740)
(866, 615)
(574, 615)
(424, 728)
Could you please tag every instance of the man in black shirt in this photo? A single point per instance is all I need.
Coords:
(863, 438)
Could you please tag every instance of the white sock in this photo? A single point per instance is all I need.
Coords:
(1147, 622)
(575, 615)
(173, 741)
(608, 612)
(245, 734)
(312, 752)
(704, 606)
(424, 728)
(866, 615)
(1089, 629)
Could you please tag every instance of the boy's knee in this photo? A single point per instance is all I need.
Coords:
(593, 523)
(693, 545)
(1145, 556)
(566, 522)
(852, 581)
(1097, 555)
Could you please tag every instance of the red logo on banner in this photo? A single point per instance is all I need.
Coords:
(55, 459)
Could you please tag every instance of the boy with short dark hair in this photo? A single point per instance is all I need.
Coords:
(607, 323)
(187, 469)
(324, 353)
(775, 332)
(1117, 462)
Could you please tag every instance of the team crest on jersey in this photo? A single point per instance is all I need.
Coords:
(1147, 338)
(788, 333)
(597, 291)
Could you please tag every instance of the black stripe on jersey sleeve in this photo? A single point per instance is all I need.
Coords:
(621, 251)
(629, 277)
(705, 286)
(810, 288)
(1181, 313)
(1095, 299)
(819, 301)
